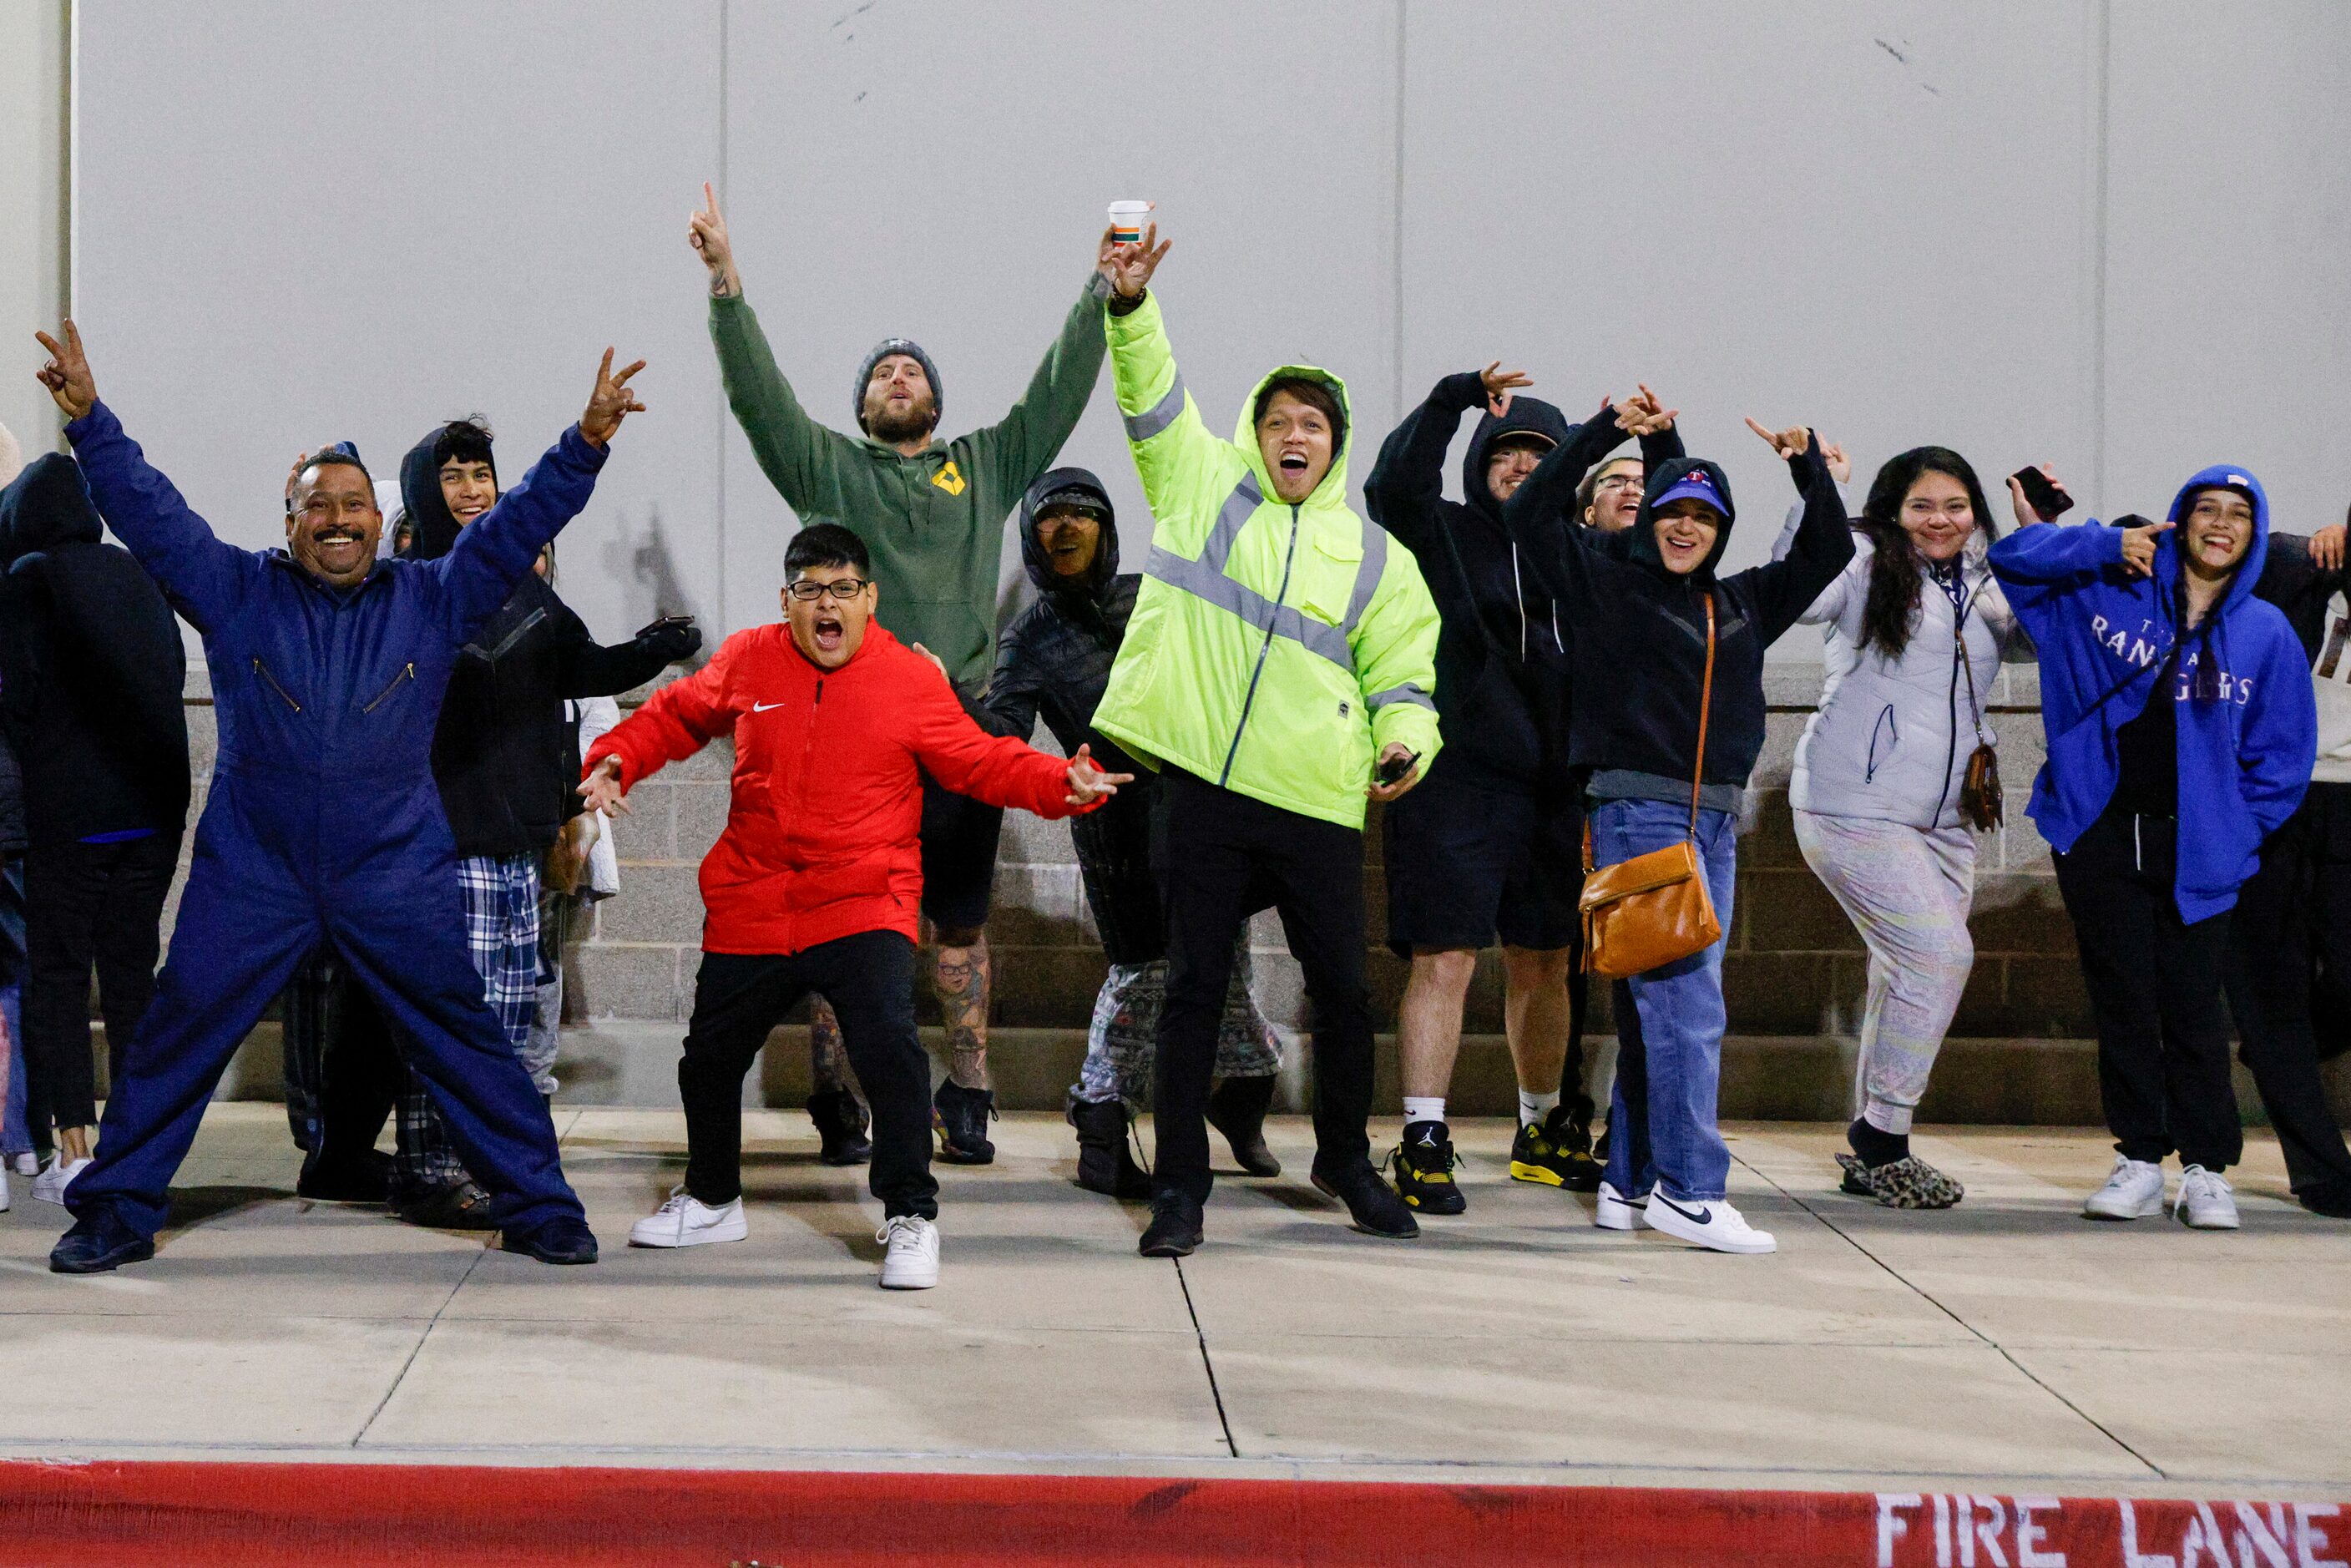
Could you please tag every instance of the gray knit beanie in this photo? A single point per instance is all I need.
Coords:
(882, 351)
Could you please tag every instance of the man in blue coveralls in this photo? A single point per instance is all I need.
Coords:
(324, 824)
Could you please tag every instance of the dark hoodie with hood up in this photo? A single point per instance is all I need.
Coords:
(1502, 654)
(505, 756)
(1637, 631)
(91, 668)
(1053, 660)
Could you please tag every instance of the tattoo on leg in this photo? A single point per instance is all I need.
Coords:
(828, 1060)
(960, 980)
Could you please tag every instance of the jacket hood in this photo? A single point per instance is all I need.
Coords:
(46, 506)
(1643, 543)
(1334, 488)
(432, 527)
(1527, 416)
(1055, 482)
(2219, 476)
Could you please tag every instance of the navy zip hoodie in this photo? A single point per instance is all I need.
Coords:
(2247, 728)
(1637, 631)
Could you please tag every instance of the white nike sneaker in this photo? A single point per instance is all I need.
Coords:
(2132, 1191)
(684, 1220)
(1615, 1211)
(913, 1261)
(1714, 1225)
(50, 1185)
(2206, 1201)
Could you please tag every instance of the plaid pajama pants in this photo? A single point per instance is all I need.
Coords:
(501, 903)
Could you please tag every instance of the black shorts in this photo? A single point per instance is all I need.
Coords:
(1472, 859)
(960, 836)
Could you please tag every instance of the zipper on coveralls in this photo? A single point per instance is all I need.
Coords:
(407, 672)
(262, 670)
(1249, 701)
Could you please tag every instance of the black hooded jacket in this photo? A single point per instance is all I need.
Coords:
(1054, 661)
(504, 754)
(91, 668)
(1638, 631)
(1502, 648)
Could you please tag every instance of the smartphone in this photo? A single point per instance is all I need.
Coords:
(1396, 767)
(651, 627)
(2043, 496)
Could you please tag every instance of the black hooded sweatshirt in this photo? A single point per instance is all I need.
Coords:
(1502, 647)
(91, 669)
(1638, 637)
(504, 756)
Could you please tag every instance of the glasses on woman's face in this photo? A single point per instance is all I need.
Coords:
(1619, 482)
(843, 589)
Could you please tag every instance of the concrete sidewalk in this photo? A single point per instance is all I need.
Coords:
(2005, 1346)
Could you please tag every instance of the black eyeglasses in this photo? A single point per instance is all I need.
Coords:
(842, 588)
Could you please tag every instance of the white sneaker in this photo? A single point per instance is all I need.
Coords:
(2206, 1201)
(1714, 1225)
(50, 1185)
(684, 1220)
(2133, 1191)
(4, 1191)
(26, 1164)
(1615, 1211)
(913, 1261)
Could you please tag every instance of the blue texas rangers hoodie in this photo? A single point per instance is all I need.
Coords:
(2248, 729)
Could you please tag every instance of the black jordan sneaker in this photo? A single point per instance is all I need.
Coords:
(1423, 1166)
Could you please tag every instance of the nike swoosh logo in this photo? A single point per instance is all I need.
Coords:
(1695, 1217)
(762, 708)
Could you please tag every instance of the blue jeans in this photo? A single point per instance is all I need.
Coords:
(1662, 1130)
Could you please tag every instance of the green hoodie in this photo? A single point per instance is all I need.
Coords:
(934, 522)
(1274, 650)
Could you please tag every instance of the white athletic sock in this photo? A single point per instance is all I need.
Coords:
(1423, 1108)
(1534, 1108)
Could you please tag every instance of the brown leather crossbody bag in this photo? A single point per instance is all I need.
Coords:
(1653, 910)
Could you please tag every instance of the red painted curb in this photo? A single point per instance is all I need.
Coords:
(393, 1516)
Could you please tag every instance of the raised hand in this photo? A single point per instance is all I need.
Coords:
(2027, 514)
(1089, 783)
(603, 790)
(611, 402)
(1792, 441)
(2138, 547)
(2326, 547)
(67, 375)
(706, 232)
(1128, 267)
(1840, 465)
(1500, 386)
(1644, 413)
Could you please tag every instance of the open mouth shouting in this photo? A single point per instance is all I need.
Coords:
(827, 631)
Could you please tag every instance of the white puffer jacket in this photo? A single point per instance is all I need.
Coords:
(1892, 738)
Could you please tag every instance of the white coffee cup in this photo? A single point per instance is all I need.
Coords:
(1127, 219)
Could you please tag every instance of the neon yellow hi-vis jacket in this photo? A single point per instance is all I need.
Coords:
(1274, 650)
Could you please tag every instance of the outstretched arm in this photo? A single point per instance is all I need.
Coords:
(1538, 513)
(1822, 546)
(797, 455)
(205, 577)
(996, 769)
(492, 556)
(675, 722)
(1022, 445)
(586, 668)
(1408, 480)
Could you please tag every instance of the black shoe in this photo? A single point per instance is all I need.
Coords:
(1174, 1227)
(1557, 1151)
(1372, 1203)
(99, 1243)
(1423, 1166)
(361, 1178)
(1237, 1108)
(2329, 1198)
(1105, 1157)
(561, 1240)
(458, 1205)
(840, 1123)
(960, 1117)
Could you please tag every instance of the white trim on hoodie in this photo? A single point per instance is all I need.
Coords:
(1891, 739)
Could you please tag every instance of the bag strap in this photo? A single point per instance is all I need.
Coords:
(1704, 712)
(1959, 644)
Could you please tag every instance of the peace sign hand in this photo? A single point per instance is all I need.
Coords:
(1792, 441)
(1500, 386)
(67, 375)
(706, 232)
(1128, 267)
(611, 402)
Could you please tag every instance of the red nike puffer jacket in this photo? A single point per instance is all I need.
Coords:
(822, 837)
